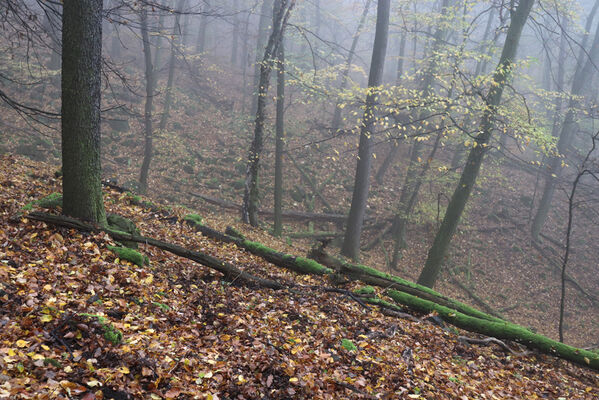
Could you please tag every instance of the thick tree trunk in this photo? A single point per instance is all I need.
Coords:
(249, 209)
(351, 242)
(437, 252)
(345, 75)
(150, 80)
(81, 88)
(280, 141)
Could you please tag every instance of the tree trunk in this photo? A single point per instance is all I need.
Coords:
(235, 40)
(413, 180)
(201, 42)
(265, 11)
(249, 209)
(149, 72)
(351, 242)
(280, 141)
(437, 252)
(158, 45)
(585, 69)
(81, 88)
(345, 75)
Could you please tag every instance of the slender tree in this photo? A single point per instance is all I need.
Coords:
(348, 62)
(265, 11)
(281, 13)
(585, 69)
(81, 68)
(351, 241)
(150, 81)
(458, 201)
(280, 141)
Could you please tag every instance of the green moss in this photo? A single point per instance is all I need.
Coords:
(500, 330)
(52, 200)
(27, 207)
(366, 290)
(125, 225)
(464, 308)
(111, 334)
(128, 254)
(348, 345)
(194, 219)
(53, 362)
(162, 306)
(231, 231)
(300, 264)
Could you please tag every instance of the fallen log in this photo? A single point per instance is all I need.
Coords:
(288, 215)
(298, 264)
(375, 277)
(231, 273)
(499, 330)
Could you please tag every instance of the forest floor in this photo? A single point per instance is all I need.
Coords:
(185, 333)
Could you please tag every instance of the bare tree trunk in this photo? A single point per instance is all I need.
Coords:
(585, 69)
(413, 179)
(149, 72)
(249, 209)
(171, 67)
(158, 45)
(351, 242)
(345, 75)
(80, 114)
(458, 201)
(265, 11)
(235, 40)
(280, 141)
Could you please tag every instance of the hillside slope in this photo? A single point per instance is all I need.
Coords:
(76, 322)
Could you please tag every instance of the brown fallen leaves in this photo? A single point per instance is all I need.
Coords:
(186, 334)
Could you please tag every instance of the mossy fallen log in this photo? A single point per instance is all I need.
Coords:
(500, 330)
(297, 264)
(231, 273)
(378, 278)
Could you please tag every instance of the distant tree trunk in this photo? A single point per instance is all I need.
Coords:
(458, 201)
(412, 182)
(150, 80)
(265, 11)
(201, 42)
(481, 68)
(249, 210)
(280, 141)
(585, 69)
(81, 88)
(245, 61)
(171, 67)
(235, 39)
(148, 143)
(351, 241)
(350, 56)
(158, 45)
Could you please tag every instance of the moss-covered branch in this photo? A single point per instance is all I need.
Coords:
(375, 277)
(499, 330)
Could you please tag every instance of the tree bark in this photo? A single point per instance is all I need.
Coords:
(280, 142)
(437, 252)
(351, 242)
(81, 88)
(249, 209)
(265, 11)
(150, 80)
(585, 69)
